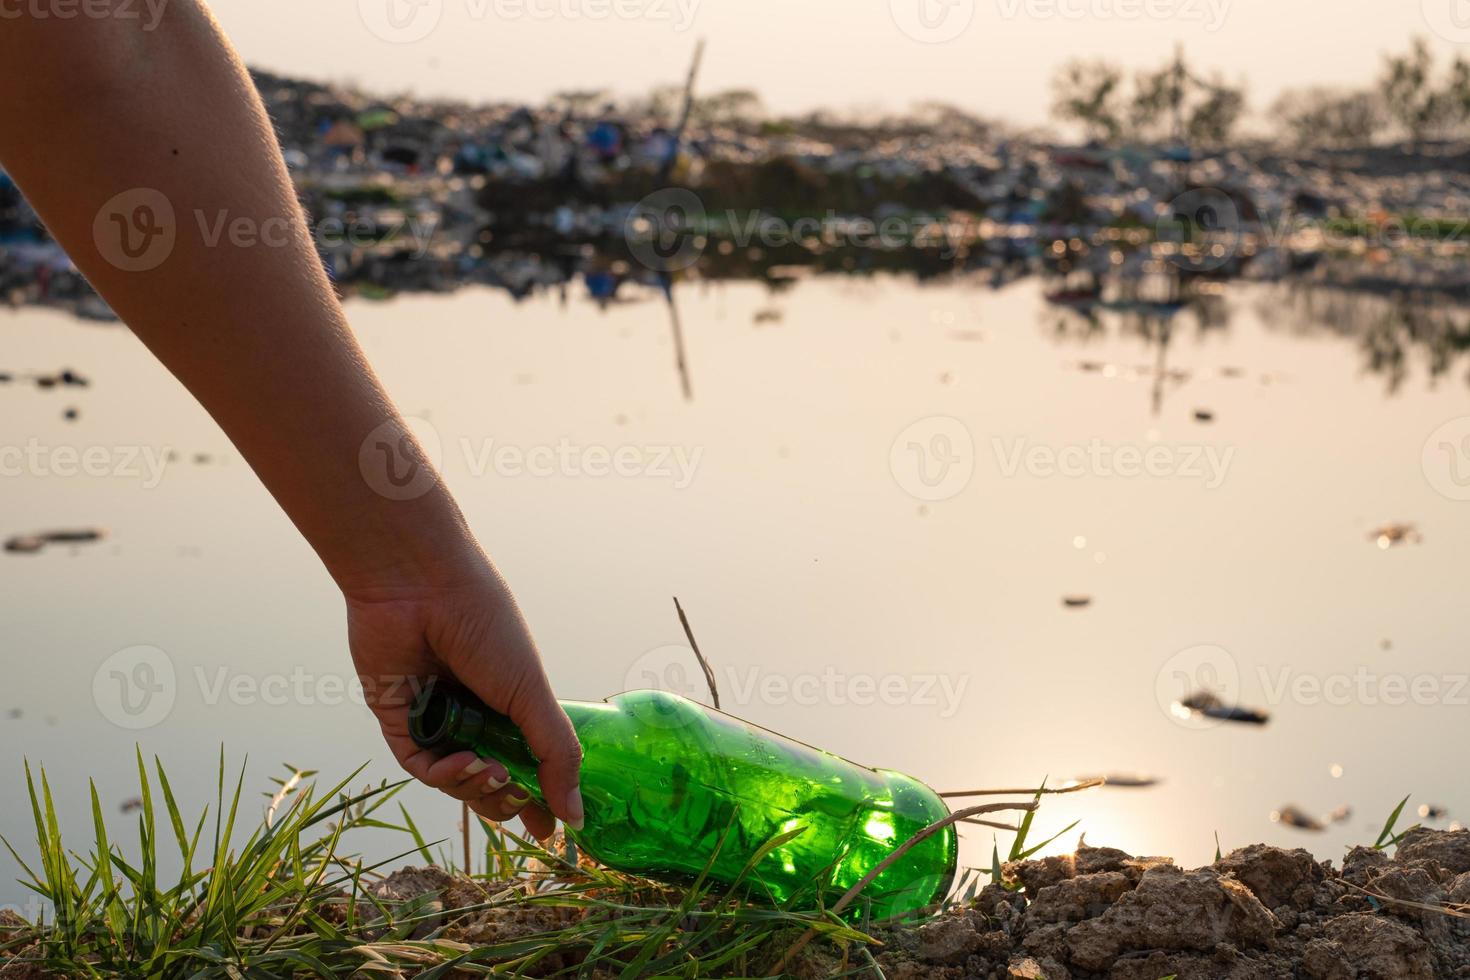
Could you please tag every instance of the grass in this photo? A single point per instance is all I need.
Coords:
(292, 901)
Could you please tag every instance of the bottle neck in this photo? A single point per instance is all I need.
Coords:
(446, 718)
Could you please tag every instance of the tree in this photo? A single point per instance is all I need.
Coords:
(1407, 86)
(734, 107)
(1170, 103)
(1088, 92)
(1213, 119)
(1329, 117)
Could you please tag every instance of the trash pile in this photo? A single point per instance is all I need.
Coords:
(408, 194)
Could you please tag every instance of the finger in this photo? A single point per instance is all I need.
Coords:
(554, 741)
(502, 804)
(464, 775)
(539, 824)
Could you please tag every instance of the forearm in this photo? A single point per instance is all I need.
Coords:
(239, 309)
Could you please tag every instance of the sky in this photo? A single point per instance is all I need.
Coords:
(993, 57)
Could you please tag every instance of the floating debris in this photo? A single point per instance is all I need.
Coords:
(1123, 780)
(1293, 816)
(1076, 601)
(768, 316)
(1335, 770)
(71, 414)
(1203, 415)
(1342, 814)
(1429, 811)
(1393, 535)
(132, 805)
(1230, 371)
(14, 713)
(1206, 703)
(29, 544)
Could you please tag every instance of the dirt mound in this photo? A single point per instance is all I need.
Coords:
(1259, 912)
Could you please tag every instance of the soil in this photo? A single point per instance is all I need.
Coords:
(1259, 913)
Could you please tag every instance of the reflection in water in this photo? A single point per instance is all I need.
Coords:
(1389, 328)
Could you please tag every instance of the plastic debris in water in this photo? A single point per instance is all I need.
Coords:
(1208, 704)
(1123, 780)
(1393, 535)
(1294, 816)
(29, 544)
(1429, 811)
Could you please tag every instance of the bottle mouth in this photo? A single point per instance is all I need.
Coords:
(429, 718)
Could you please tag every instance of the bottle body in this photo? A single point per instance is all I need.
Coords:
(665, 779)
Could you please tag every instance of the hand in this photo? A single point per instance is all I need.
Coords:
(468, 628)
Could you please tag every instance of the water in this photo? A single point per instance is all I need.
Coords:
(781, 506)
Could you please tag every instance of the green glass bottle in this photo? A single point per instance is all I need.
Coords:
(663, 779)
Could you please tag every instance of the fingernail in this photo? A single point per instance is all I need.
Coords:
(494, 783)
(575, 816)
(474, 769)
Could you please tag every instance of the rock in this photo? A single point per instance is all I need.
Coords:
(1091, 860)
(950, 940)
(1077, 898)
(1450, 849)
(1276, 876)
(996, 901)
(1136, 868)
(1407, 885)
(1036, 875)
(1363, 945)
(1047, 942)
(1173, 910)
(1359, 861)
(1028, 968)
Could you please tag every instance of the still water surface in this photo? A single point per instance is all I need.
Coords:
(872, 509)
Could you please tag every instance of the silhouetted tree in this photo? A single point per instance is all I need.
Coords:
(1089, 93)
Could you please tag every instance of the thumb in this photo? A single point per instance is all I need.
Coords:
(553, 740)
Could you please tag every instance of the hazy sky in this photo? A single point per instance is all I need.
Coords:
(995, 57)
